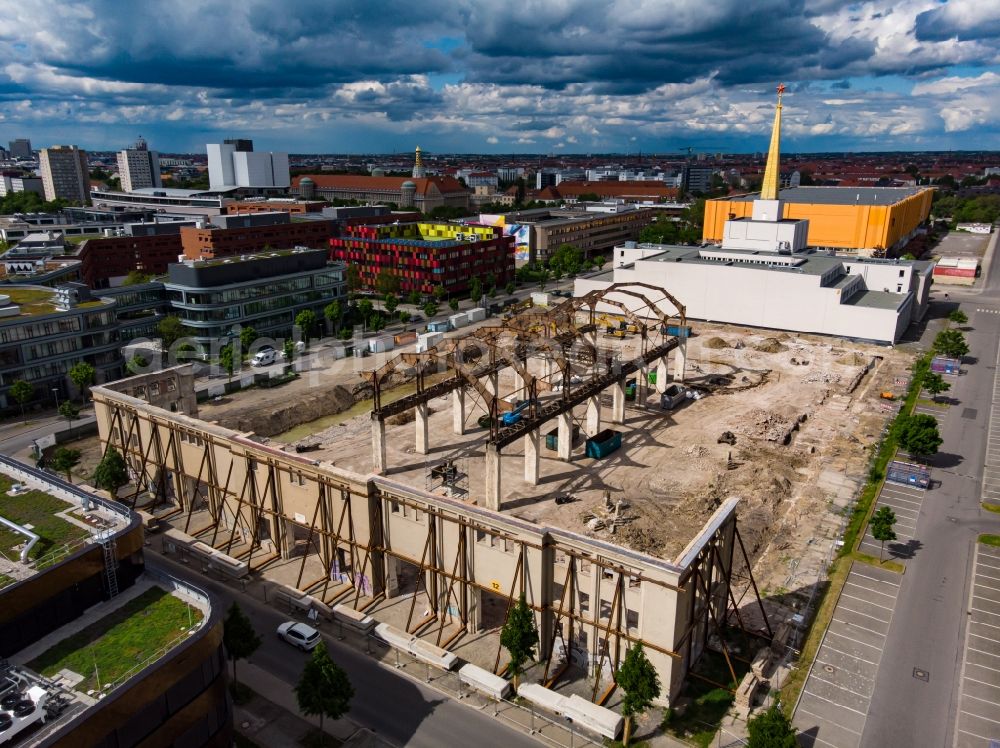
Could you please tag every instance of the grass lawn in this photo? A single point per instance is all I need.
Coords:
(990, 540)
(121, 640)
(37, 509)
(699, 719)
(991, 507)
(32, 301)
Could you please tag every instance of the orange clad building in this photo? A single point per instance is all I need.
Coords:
(867, 220)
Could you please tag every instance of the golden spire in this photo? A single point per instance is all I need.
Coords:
(772, 172)
(418, 162)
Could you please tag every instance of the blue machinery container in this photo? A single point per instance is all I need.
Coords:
(603, 443)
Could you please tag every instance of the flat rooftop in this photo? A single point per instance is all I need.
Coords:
(840, 195)
(808, 262)
(56, 516)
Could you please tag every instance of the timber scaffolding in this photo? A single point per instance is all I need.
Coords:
(564, 340)
(345, 538)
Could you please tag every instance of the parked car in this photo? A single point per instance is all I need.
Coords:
(264, 357)
(299, 635)
(300, 348)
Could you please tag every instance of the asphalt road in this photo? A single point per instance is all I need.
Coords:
(929, 621)
(399, 709)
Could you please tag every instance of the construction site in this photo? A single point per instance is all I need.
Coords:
(624, 470)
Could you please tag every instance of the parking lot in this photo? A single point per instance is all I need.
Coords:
(905, 501)
(978, 722)
(962, 244)
(834, 703)
(991, 471)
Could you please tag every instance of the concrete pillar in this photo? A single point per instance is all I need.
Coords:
(680, 361)
(421, 421)
(593, 415)
(548, 369)
(642, 386)
(532, 456)
(391, 575)
(565, 421)
(379, 459)
(519, 392)
(493, 383)
(661, 375)
(493, 485)
(458, 410)
(474, 613)
(618, 401)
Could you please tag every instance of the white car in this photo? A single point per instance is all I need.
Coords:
(299, 635)
(263, 357)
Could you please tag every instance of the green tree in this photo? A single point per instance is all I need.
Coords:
(171, 329)
(391, 303)
(227, 360)
(519, 636)
(599, 261)
(376, 322)
(70, 411)
(136, 277)
(771, 729)
(566, 259)
(951, 343)
(453, 304)
(111, 472)
(323, 689)
(239, 636)
(306, 320)
(510, 288)
(430, 310)
(934, 383)
(136, 364)
(353, 278)
(958, 317)
(638, 679)
(334, 313)
(413, 298)
(22, 392)
(247, 336)
(475, 290)
(882, 527)
(64, 460)
(82, 375)
(439, 293)
(365, 308)
(404, 316)
(288, 349)
(918, 434)
(387, 282)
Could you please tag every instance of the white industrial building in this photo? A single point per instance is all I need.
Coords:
(228, 166)
(764, 275)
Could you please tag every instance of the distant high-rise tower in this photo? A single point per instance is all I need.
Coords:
(242, 145)
(234, 163)
(419, 172)
(139, 167)
(65, 173)
(21, 149)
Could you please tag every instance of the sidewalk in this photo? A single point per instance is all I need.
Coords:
(272, 718)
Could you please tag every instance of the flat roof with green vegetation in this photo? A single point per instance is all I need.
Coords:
(117, 645)
(31, 300)
(36, 510)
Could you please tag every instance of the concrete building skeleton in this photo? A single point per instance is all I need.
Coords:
(592, 599)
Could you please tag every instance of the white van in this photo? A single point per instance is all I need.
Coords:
(263, 357)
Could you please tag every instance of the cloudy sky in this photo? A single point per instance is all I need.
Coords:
(550, 76)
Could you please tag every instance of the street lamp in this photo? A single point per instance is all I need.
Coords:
(55, 391)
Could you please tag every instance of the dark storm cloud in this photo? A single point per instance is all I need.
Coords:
(965, 22)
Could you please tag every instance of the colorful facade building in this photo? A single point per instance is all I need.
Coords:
(873, 221)
(427, 255)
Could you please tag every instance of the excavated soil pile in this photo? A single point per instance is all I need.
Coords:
(716, 343)
(770, 426)
(770, 345)
(276, 418)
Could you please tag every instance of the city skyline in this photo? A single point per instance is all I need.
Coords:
(570, 77)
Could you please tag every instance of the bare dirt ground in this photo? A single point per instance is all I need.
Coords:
(797, 405)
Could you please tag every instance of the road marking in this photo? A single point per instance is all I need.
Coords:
(866, 697)
(830, 721)
(854, 657)
(874, 592)
(983, 651)
(970, 696)
(874, 579)
(977, 716)
(985, 667)
(830, 701)
(876, 618)
(866, 644)
(845, 670)
(853, 597)
(975, 735)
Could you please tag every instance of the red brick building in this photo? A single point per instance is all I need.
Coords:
(292, 206)
(427, 255)
(114, 257)
(211, 242)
